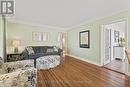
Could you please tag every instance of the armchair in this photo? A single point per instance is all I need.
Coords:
(18, 74)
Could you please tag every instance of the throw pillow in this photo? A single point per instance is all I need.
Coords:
(30, 50)
(50, 50)
(55, 49)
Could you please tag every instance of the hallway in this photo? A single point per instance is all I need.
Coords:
(116, 65)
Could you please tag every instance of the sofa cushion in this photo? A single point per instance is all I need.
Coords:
(49, 50)
(30, 50)
(36, 55)
(44, 49)
(36, 49)
(39, 49)
(55, 49)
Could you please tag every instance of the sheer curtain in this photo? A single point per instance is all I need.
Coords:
(62, 43)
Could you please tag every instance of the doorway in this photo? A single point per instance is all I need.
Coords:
(114, 44)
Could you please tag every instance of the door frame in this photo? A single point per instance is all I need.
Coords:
(102, 40)
(106, 62)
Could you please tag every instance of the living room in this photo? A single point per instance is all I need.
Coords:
(54, 27)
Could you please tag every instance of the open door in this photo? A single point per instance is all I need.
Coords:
(107, 46)
(110, 39)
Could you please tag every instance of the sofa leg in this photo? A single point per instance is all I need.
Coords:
(34, 63)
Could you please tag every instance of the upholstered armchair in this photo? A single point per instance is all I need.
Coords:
(18, 74)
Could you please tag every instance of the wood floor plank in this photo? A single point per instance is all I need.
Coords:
(76, 73)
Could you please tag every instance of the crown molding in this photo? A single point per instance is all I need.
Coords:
(67, 28)
(96, 19)
(35, 24)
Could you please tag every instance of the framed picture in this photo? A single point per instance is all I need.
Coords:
(45, 36)
(37, 36)
(84, 39)
(116, 36)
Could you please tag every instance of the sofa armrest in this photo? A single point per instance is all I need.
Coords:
(25, 54)
(26, 77)
(59, 50)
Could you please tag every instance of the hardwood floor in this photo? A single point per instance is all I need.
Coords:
(116, 65)
(76, 73)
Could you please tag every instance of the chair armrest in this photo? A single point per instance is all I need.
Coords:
(29, 78)
(18, 64)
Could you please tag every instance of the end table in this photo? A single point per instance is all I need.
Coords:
(14, 57)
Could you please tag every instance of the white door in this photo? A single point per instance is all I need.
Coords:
(107, 46)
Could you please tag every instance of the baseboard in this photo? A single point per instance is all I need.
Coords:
(97, 64)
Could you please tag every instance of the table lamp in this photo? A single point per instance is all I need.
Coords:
(16, 44)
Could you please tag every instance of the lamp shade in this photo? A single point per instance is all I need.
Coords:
(16, 43)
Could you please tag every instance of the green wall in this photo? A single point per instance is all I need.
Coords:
(23, 32)
(92, 53)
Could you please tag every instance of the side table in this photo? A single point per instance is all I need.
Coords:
(14, 57)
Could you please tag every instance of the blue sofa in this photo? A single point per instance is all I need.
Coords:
(40, 51)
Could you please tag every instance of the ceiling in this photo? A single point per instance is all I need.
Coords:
(65, 13)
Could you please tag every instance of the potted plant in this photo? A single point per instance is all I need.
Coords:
(121, 41)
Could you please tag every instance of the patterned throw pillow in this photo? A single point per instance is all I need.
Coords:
(30, 50)
(55, 49)
(50, 50)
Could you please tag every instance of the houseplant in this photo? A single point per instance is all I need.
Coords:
(121, 41)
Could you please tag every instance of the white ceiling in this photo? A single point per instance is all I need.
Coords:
(66, 13)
